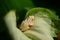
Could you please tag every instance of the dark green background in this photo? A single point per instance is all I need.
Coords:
(20, 6)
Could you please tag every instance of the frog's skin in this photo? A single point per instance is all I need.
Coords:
(27, 23)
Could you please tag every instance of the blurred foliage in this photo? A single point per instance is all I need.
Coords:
(6, 5)
(57, 25)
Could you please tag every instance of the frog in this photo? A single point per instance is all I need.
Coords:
(27, 24)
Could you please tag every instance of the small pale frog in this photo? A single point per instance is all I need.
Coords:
(27, 23)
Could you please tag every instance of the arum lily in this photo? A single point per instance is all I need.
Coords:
(38, 25)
